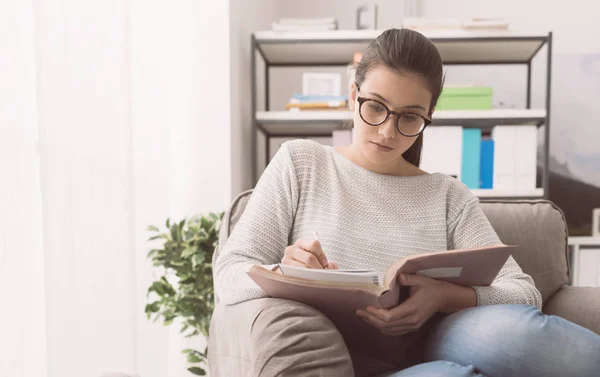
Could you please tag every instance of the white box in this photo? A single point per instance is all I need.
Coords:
(442, 150)
(321, 84)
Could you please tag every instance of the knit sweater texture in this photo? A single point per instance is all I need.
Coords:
(364, 220)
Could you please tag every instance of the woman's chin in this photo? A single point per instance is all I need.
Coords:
(379, 158)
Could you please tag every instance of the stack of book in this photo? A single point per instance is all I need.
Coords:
(304, 24)
(419, 23)
(314, 102)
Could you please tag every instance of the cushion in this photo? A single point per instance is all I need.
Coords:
(539, 230)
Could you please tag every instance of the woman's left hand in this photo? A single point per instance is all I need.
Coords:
(426, 298)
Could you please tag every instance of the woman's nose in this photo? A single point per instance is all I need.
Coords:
(388, 128)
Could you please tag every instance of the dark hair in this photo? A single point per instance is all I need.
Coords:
(408, 52)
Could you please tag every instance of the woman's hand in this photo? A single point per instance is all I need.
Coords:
(427, 297)
(307, 254)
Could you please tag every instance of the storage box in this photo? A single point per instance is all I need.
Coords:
(465, 98)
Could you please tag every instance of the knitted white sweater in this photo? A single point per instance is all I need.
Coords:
(364, 220)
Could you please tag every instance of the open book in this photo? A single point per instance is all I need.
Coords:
(338, 294)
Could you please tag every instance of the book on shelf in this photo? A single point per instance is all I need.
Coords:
(317, 102)
(471, 158)
(340, 293)
(305, 24)
(487, 164)
(329, 105)
(479, 23)
(506, 161)
(442, 150)
(515, 157)
(341, 137)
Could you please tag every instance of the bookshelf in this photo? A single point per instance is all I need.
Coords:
(335, 48)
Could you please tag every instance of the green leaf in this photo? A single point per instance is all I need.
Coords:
(153, 307)
(155, 237)
(152, 228)
(183, 329)
(175, 233)
(189, 280)
(192, 358)
(153, 252)
(168, 223)
(157, 287)
(199, 258)
(197, 371)
(188, 252)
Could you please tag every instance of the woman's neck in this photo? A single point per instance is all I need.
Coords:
(399, 167)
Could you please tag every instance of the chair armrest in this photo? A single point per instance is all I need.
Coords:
(580, 305)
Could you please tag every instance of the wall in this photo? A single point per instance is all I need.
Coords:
(575, 24)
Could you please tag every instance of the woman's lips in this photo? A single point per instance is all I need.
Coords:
(381, 148)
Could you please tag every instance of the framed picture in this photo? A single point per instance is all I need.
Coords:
(596, 222)
(366, 17)
(321, 84)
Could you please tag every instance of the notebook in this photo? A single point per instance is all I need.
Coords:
(339, 294)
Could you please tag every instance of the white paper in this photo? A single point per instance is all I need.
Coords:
(339, 276)
(442, 272)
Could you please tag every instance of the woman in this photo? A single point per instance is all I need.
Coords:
(371, 204)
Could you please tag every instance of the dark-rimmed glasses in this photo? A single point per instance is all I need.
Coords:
(375, 113)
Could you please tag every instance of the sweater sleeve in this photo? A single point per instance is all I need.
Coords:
(262, 232)
(512, 285)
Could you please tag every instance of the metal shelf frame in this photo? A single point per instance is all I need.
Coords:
(260, 41)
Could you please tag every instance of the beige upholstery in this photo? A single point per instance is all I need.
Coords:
(539, 229)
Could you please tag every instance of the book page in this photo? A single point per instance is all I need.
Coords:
(339, 276)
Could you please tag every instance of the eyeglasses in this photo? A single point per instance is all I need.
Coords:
(375, 113)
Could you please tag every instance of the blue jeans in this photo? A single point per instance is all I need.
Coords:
(504, 341)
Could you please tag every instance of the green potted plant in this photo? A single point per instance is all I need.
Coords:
(184, 288)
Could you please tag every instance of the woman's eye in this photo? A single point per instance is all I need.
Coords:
(409, 117)
(376, 107)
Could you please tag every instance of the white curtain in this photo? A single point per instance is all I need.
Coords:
(22, 311)
(106, 126)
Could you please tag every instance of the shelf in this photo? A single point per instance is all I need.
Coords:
(456, 47)
(322, 123)
(487, 119)
(496, 193)
(584, 241)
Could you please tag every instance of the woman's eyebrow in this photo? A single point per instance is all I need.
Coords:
(414, 107)
(388, 102)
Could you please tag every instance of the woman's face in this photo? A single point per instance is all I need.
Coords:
(383, 144)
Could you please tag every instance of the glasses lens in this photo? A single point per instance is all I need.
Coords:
(411, 124)
(373, 112)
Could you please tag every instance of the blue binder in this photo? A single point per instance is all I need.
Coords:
(487, 164)
(471, 157)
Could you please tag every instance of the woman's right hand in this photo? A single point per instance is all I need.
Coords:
(307, 254)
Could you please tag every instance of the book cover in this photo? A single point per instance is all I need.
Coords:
(471, 157)
(442, 150)
(487, 164)
(339, 301)
(504, 157)
(526, 157)
(341, 137)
